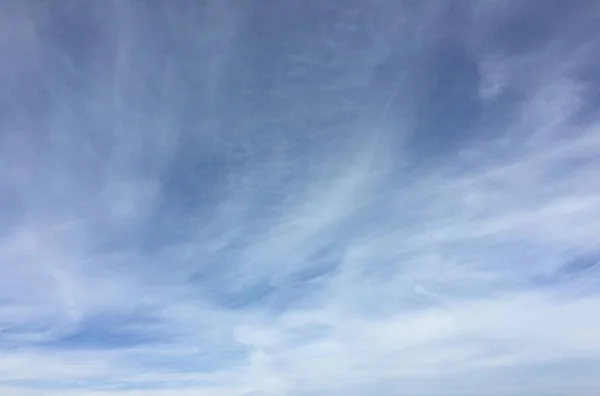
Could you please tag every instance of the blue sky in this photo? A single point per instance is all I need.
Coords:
(299, 198)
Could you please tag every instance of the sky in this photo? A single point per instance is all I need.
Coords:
(299, 198)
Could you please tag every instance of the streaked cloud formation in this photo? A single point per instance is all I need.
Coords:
(299, 198)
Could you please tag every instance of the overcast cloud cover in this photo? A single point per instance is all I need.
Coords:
(311, 197)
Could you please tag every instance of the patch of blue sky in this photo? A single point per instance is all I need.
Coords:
(110, 331)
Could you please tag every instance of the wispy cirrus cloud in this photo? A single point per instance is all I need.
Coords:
(296, 199)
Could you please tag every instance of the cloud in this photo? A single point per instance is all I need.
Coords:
(299, 199)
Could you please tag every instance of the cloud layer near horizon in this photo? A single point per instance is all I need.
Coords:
(299, 198)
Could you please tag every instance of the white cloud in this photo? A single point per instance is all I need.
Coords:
(149, 198)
